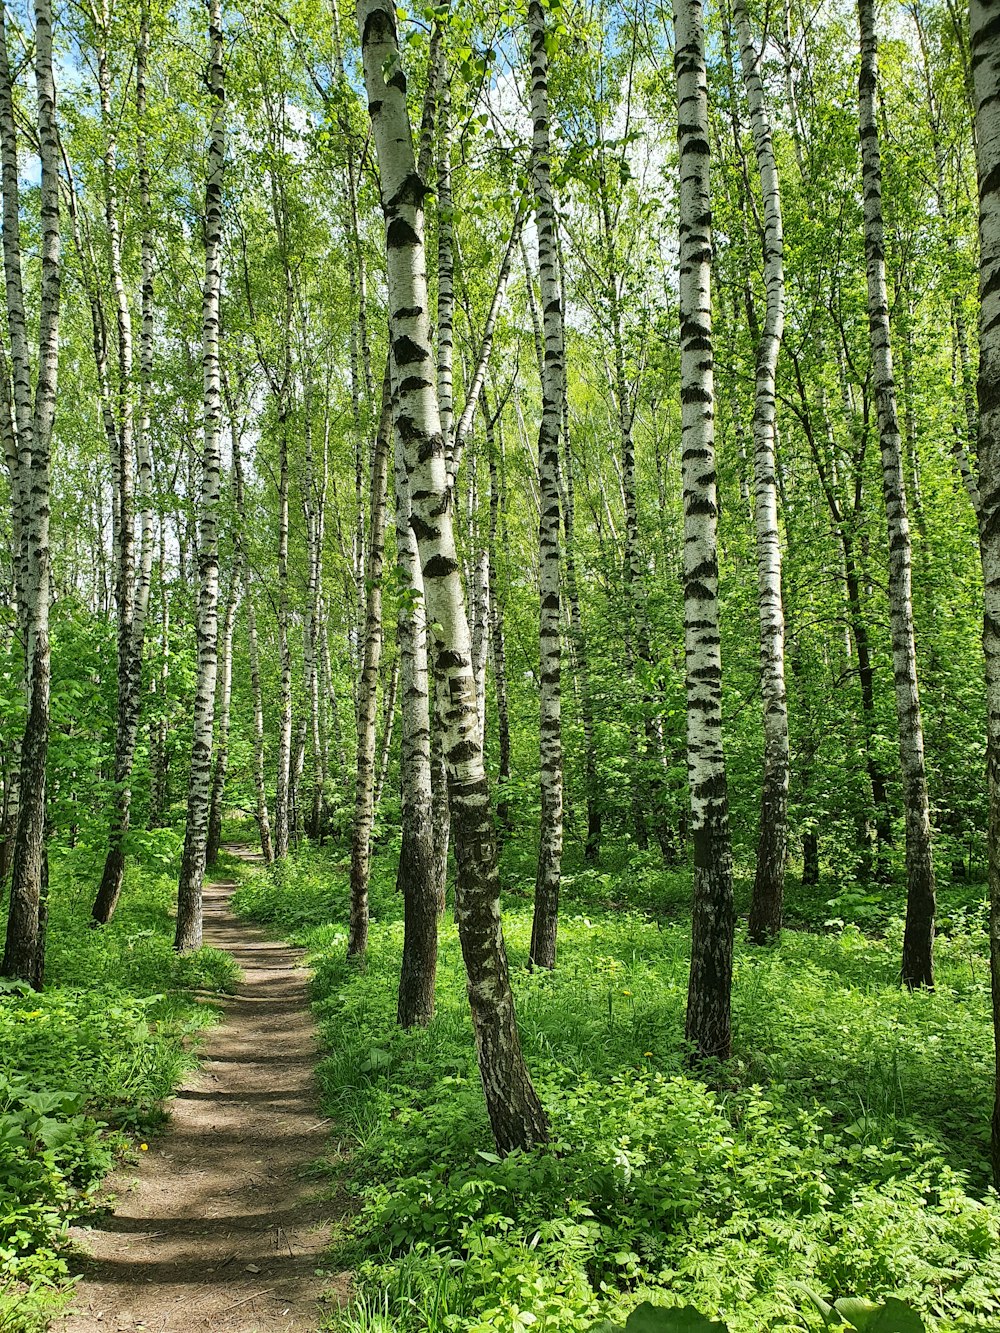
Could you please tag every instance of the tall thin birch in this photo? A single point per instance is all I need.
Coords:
(772, 842)
(918, 936)
(710, 986)
(984, 22)
(515, 1112)
(34, 414)
(550, 840)
(189, 896)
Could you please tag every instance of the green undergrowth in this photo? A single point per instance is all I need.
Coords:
(842, 1151)
(86, 1064)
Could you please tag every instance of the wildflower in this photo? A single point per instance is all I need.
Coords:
(144, 1147)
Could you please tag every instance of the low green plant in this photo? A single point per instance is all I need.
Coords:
(87, 1064)
(843, 1147)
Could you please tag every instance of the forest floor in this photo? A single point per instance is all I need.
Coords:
(218, 1227)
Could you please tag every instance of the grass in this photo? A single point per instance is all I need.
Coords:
(842, 1150)
(87, 1064)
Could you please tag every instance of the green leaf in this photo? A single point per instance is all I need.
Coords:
(896, 1316)
(857, 1311)
(671, 1319)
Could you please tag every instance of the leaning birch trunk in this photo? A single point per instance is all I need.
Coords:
(24, 948)
(986, 75)
(515, 1112)
(364, 790)
(918, 937)
(766, 904)
(189, 914)
(220, 764)
(547, 877)
(134, 569)
(415, 877)
(710, 985)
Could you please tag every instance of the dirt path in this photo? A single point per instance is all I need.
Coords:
(219, 1231)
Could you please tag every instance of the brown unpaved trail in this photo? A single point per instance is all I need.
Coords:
(219, 1230)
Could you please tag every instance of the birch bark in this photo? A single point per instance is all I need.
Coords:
(189, 897)
(550, 841)
(708, 1025)
(364, 805)
(515, 1112)
(24, 949)
(772, 844)
(415, 877)
(918, 937)
(984, 24)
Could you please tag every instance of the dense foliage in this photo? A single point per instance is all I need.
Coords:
(842, 1150)
(87, 1064)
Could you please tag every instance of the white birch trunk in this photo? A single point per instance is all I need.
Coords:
(918, 938)
(708, 1025)
(24, 950)
(548, 874)
(189, 898)
(985, 41)
(772, 844)
(515, 1112)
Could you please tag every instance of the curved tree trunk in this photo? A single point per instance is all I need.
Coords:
(189, 920)
(918, 938)
(134, 570)
(772, 844)
(550, 838)
(709, 991)
(515, 1112)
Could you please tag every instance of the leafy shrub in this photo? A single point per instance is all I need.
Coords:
(842, 1149)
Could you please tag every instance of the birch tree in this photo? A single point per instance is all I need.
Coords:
(33, 419)
(515, 1112)
(710, 985)
(772, 843)
(550, 839)
(189, 895)
(984, 25)
(918, 938)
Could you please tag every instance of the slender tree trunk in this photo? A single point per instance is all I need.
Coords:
(415, 878)
(189, 918)
(364, 808)
(134, 570)
(221, 763)
(24, 949)
(282, 790)
(918, 938)
(985, 42)
(546, 917)
(709, 991)
(389, 692)
(515, 1112)
(497, 645)
(772, 845)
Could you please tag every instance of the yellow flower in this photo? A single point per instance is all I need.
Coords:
(647, 1052)
(626, 992)
(144, 1147)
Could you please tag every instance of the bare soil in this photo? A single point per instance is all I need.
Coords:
(216, 1227)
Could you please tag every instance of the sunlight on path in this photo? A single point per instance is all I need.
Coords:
(219, 1231)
